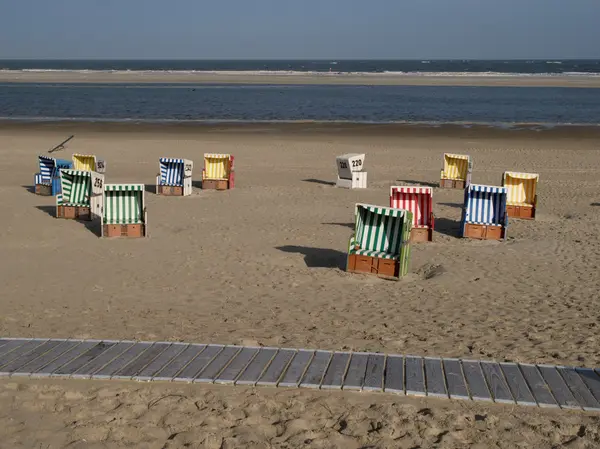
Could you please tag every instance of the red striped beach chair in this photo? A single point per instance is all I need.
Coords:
(419, 201)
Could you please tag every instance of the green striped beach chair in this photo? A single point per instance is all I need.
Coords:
(124, 211)
(380, 243)
(81, 196)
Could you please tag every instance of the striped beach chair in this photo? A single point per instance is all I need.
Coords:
(419, 201)
(484, 213)
(47, 181)
(88, 162)
(456, 173)
(124, 211)
(522, 194)
(175, 177)
(381, 241)
(218, 172)
(81, 196)
(351, 174)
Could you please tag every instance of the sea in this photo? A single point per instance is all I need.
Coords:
(216, 103)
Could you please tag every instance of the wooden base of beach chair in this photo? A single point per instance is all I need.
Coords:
(73, 212)
(215, 184)
(483, 232)
(127, 230)
(42, 189)
(169, 190)
(452, 184)
(524, 212)
(385, 268)
(421, 235)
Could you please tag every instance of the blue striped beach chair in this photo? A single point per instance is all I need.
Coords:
(175, 177)
(484, 213)
(47, 181)
(81, 196)
(381, 241)
(124, 211)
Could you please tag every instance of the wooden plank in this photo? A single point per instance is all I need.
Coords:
(295, 370)
(374, 372)
(537, 385)
(218, 364)
(15, 365)
(83, 359)
(580, 391)
(457, 385)
(86, 371)
(434, 377)
(19, 352)
(258, 365)
(45, 359)
(476, 381)
(161, 361)
(334, 377)
(66, 357)
(591, 379)
(277, 367)
(558, 387)
(179, 363)
(9, 346)
(192, 369)
(357, 369)
(496, 383)
(415, 376)
(394, 374)
(517, 384)
(316, 370)
(237, 365)
(142, 361)
(121, 361)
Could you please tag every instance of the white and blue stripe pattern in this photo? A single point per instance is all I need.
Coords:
(171, 171)
(47, 170)
(485, 205)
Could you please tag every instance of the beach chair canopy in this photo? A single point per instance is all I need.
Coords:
(485, 205)
(417, 200)
(380, 231)
(49, 167)
(86, 162)
(172, 171)
(349, 163)
(124, 204)
(76, 187)
(217, 166)
(521, 188)
(456, 166)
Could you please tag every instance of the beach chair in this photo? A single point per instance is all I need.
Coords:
(218, 172)
(175, 177)
(484, 213)
(47, 181)
(522, 194)
(81, 196)
(88, 162)
(456, 173)
(419, 201)
(351, 174)
(124, 211)
(381, 241)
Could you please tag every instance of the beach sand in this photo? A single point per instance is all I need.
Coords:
(263, 265)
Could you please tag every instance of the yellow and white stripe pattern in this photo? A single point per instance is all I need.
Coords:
(217, 166)
(84, 162)
(521, 187)
(456, 166)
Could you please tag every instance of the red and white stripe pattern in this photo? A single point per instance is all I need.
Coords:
(417, 200)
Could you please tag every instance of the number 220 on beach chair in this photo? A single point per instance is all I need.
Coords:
(218, 172)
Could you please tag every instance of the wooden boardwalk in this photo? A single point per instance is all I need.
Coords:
(513, 383)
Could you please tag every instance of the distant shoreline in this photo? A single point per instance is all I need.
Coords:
(299, 78)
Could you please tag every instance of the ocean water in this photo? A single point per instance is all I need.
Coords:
(273, 103)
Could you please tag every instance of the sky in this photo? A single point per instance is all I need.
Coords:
(301, 29)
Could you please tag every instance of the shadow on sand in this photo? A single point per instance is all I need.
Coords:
(447, 227)
(410, 182)
(150, 188)
(92, 226)
(319, 181)
(345, 225)
(455, 205)
(318, 257)
(30, 189)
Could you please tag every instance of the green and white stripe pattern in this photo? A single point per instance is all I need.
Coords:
(76, 188)
(124, 204)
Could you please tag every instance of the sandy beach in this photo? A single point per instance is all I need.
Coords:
(263, 264)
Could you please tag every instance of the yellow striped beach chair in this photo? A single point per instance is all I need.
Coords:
(218, 172)
(88, 162)
(521, 194)
(456, 173)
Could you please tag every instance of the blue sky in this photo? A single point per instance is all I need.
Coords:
(276, 29)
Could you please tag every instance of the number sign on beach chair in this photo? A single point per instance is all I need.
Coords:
(88, 162)
(124, 211)
(218, 172)
(350, 171)
(380, 243)
(522, 194)
(419, 201)
(47, 181)
(456, 173)
(175, 177)
(484, 213)
(81, 196)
